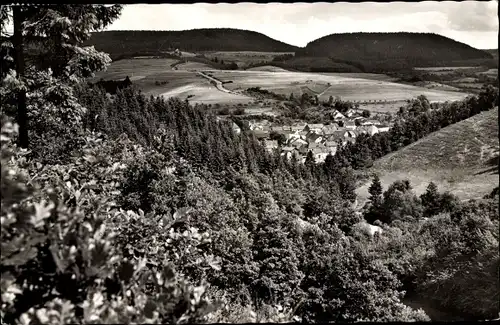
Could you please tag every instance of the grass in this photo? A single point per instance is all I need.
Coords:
(157, 76)
(347, 87)
(135, 67)
(461, 158)
(244, 58)
(445, 68)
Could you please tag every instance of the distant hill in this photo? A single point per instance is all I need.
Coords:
(123, 44)
(493, 52)
(389, 51)
(461, 158)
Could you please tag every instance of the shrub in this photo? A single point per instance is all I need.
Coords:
(60, 259)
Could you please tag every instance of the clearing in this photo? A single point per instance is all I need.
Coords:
(461, 158)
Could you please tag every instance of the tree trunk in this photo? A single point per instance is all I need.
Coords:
(22, 116)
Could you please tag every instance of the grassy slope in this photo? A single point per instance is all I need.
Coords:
(461, 158)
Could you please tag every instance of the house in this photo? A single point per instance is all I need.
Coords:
(337, 135)
(350, 140)
(383, 128)
(303, 134)
(314, 127)
(350, 112)
(287, 152)
(320, 156)
(288, 134)
(314, 137)
(370, 130)
(312, 145)
(330, 143)
(297, 143)
(259, 134)
(270, 145)
(236, 128)
(351, 125)
(329, 129)
(298, 127)
(350, 134)
(370, 122)
(337, 115)
(332, 149)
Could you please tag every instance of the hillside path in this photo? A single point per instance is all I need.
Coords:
(218, 84)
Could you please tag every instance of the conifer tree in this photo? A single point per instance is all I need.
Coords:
(431, 200)
(53, 34)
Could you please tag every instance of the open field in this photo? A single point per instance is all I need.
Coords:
(135, 67)
(445, 68)
(461, 158)
(268, 68)
(369, 76)
(206, 93)
(193, 66)
(244, 58)
(157, 77)
(490, 72)
(348, 88)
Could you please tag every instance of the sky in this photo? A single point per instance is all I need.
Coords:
(471, 22)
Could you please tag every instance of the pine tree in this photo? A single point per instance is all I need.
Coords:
(55, 32)
(431, 200)
(375, 191)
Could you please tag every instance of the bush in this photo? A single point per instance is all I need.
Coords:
(60, 257)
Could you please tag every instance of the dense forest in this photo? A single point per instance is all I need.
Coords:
(122, 44)
(347, 52)
(413, 48)
(125, 208)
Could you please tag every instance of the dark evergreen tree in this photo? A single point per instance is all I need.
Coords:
(431, 200)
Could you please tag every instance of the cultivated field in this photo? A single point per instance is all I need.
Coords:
(158, 77)
(326, 85)
(244, 58)
(461, 158)
(135, 68)
(445, 68)
(490, 72)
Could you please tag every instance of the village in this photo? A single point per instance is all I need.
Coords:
(321, 139)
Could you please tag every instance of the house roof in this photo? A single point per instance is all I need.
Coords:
(313, 136)
(271, 143)
(260, 133)
(312, 145)
(331, 143)
(316, 126)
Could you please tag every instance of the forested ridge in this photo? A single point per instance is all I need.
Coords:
(345, 52)
(397, 49)
(125, 208)
(137, 42)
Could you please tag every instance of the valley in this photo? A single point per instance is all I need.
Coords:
(219, 175)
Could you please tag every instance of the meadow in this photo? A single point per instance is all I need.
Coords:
(158, 77)
(326, 85)
(244, 58)
(461, 158)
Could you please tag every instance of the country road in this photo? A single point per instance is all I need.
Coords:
(218, 84)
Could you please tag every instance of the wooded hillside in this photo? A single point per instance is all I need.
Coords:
(136, 43)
